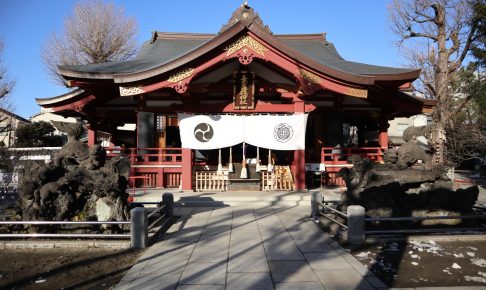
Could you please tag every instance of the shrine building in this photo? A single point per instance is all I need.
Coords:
(242, 109)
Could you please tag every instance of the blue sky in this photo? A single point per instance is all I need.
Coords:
(360, 30)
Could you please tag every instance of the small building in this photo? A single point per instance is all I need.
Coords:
(209, 106)
(46, 116)
(9, 122)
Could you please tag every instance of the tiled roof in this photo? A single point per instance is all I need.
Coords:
(169, 47)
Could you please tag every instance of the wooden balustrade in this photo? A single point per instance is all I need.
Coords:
(211, 181)
(335, 158)
(163, 166)
(339, 155)
(280, 179)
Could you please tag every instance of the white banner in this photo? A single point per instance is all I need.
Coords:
(210, 131)
(284, 132)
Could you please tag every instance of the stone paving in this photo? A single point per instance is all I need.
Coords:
(247, 248)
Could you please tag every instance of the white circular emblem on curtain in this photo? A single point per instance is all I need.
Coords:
(203, 132)
(283, 132)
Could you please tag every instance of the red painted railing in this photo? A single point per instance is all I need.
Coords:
(161, 166)
(149, 156)
(335, 158)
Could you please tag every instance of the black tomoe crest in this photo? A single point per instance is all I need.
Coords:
(203, 132)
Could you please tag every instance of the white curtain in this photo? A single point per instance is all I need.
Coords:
(223, 131)
(285, 132)
(277, 132)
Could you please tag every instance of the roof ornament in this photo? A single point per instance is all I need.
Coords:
(246, 15)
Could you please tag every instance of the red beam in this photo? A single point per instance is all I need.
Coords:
(76, 106)
(260, 107)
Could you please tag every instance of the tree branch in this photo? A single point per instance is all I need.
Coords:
(470, 37)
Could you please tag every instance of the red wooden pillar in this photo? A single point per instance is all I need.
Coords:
(186, 169)
(383, 138)
(160, 178)
(299, 168)
(383, 134)
(91, 137)
(299, 155)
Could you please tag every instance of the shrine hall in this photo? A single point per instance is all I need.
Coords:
(241, 109)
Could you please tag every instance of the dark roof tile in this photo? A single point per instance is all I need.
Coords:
(167, 47)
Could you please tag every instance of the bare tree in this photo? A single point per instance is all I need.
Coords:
(443, 31)
(96, 32)
(6, 86)
(467, 136)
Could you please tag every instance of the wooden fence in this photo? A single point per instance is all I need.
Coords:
(280, 179)
(211, 181)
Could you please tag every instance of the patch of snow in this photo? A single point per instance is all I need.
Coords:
(410, 252)
(414, 256)
(414, 263)
(475, 279)
(429, 246)
(40, 281)
(471, 254)
(456, 266)
(448, 271)
(473, 248)
(482, 274)
(458, 256)
(479, 262)
(363, 255)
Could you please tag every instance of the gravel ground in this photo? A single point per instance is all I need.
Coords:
(57, 268)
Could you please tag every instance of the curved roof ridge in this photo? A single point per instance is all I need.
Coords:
(169, 50)
(315, 36)
(180, 35)
(60, 98)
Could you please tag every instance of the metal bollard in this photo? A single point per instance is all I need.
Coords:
(316, 197)
(138, 228)
(356, 225)
(168, 200)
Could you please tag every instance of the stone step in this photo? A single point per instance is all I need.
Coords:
(216, 203)
(288, 200)
(232, 198)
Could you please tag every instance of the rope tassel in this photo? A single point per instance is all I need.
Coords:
(231, 168)
(270, 165)
(258, 160)
(244, 173)
(220, 165)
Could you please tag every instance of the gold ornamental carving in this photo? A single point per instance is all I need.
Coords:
(246, 41)
(244, 90)
(359, 93)
(130, 91)
(310, 77)
(184, 74)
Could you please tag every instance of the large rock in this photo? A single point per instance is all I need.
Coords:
(388, 191)
(80, 184)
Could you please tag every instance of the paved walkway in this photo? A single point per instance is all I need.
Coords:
(247, 248)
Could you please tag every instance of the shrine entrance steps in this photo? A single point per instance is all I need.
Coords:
(228, 198)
